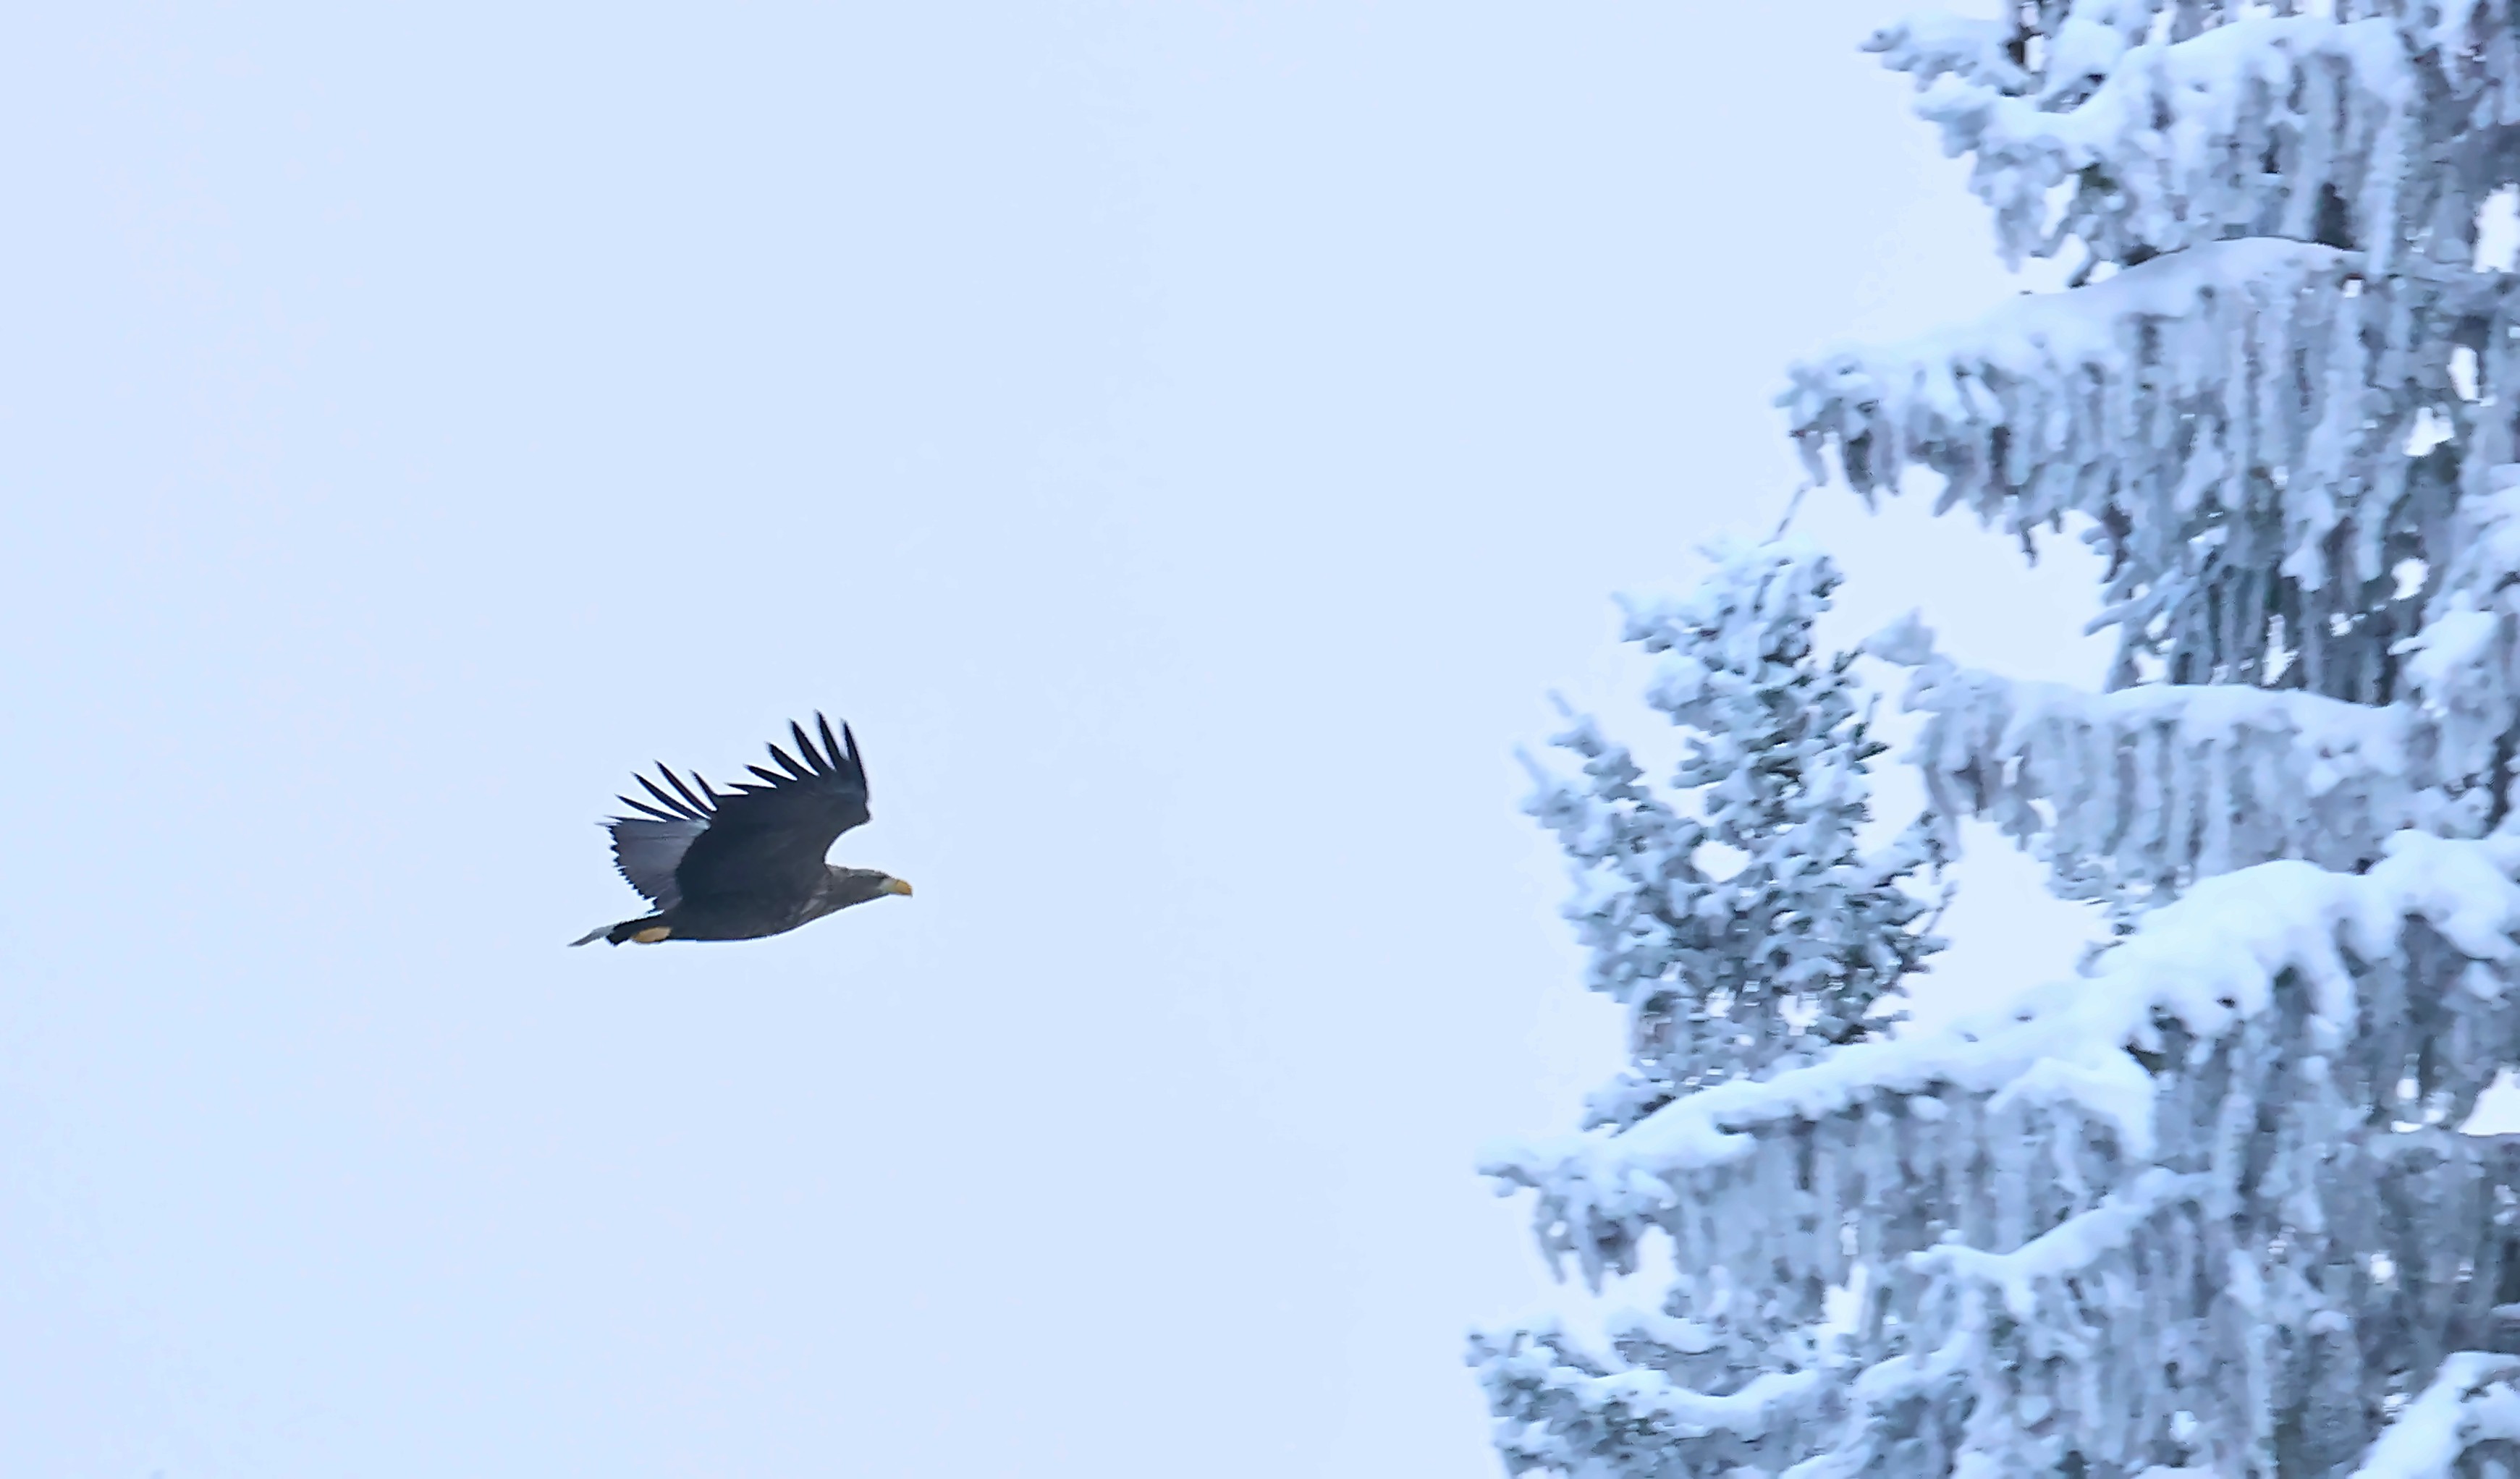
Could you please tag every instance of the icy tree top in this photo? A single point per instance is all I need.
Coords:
(1731, 912)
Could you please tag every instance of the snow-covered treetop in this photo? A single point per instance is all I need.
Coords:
(1733, 915)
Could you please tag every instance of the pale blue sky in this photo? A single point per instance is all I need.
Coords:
(1187, 441)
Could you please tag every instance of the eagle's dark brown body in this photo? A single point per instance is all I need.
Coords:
(746, 862)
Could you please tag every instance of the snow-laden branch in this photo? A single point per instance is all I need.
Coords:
(2232, 420)
(2296, 126)
(2133, 795)
(2069, 1248)
(2163, 132)
(1930, 45)
(2469, 1401)
(2209, 963)
(2176, 378)
(1562, 1407)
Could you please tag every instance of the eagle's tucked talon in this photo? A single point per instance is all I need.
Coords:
(746, 861)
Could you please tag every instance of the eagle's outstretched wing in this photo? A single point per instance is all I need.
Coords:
(762, 839)
(649, 851)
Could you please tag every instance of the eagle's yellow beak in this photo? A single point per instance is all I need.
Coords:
(897, 886)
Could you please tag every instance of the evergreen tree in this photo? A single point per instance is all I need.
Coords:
(1729, 970)
(2207, 1209)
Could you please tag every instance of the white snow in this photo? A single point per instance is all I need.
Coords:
(2466, 1403)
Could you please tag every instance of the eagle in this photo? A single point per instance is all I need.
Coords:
(745, 863)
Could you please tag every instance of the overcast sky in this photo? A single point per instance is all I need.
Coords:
(1187, 441)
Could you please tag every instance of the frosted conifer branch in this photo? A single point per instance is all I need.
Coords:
(1935, 45)
(2133, 797)
(2171, 126)
(2470, 1401)
(2228, 424)
(2293, 126)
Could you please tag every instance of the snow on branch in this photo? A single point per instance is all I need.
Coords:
(2470, 1401)
(2232, 420)
(1562, 1407)
(2133, 795)
(1932, 45)
(2024, 411)
(2020, 409)
(2141, 128)
(2299, 126)
(2072, 1247)
(2207, 964)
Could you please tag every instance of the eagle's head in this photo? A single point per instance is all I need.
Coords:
(857, 885)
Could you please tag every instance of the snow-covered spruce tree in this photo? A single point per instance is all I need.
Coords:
(2208, 1208)
(1728, 971)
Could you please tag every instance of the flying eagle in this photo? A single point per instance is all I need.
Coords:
(742, 863)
